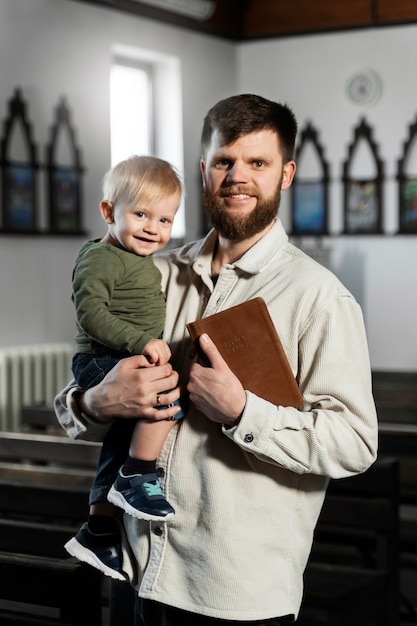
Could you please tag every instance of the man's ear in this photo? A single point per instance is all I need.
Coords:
(203, 170)
(288, 174)
(106, 210)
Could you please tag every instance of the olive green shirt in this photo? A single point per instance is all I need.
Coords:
(118, 299)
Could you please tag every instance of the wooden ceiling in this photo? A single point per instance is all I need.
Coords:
(245, 20)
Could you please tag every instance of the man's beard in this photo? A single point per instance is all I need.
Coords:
(238, 227)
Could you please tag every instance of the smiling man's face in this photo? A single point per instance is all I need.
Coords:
(242, 183)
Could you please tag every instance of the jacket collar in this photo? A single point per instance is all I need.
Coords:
(199, 254)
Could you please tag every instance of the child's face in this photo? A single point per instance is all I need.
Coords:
(142, 229)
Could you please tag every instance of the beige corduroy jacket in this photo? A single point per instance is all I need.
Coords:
(247, 499)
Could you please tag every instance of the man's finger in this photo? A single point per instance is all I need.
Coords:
(210, 350)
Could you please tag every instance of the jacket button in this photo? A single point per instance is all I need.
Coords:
(160, 472)
(248, 438)
(158, 531)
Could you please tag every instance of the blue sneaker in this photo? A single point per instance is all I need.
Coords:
(140, 496)
(104, 552)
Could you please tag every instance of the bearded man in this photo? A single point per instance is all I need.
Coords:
(247, 478)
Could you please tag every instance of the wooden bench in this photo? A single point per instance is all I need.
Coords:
(40, 418)
(45, 478)
(401, 440)
(43, 501)
(352, 574)
(62, 590)
(395, 396)
(64, 462)
(396, 400)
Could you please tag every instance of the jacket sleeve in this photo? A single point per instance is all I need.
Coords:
(335, 433)
(77, 425)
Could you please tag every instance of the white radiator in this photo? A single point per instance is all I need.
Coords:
(31, 375)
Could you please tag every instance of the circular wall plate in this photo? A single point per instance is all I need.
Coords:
(364, 87)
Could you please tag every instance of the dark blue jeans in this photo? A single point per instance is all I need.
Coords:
(89, 370)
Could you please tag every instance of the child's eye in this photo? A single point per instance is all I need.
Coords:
(140, 214)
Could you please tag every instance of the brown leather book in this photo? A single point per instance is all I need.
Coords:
(246, 338)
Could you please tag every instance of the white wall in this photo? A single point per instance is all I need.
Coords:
(309, 73)
(54, 48)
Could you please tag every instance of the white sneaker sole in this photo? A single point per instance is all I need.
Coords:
(75, 549)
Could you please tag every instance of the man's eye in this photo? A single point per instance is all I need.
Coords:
(258, 164)
(223, 164)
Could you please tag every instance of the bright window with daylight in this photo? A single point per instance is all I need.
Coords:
(130, 111)
(146, 111)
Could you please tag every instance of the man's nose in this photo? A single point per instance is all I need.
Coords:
(237, 173)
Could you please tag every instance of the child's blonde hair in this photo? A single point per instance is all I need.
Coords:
(140, 178)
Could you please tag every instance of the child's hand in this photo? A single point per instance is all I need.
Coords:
(157, 351)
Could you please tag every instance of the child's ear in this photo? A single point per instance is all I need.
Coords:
(106, 209)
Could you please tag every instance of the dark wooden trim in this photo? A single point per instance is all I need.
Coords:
(245, 20)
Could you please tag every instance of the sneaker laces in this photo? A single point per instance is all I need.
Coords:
(152, 489)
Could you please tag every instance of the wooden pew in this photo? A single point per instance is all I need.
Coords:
(44, 492)
(391, 392)
(43, 501)
(40, 418)
(62, 590)
(395, 396)
(51, 449)
(352, 574)
(401, 440)
(396, 400)
(63, 462)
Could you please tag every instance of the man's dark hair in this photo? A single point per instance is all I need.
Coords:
(240, 115)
